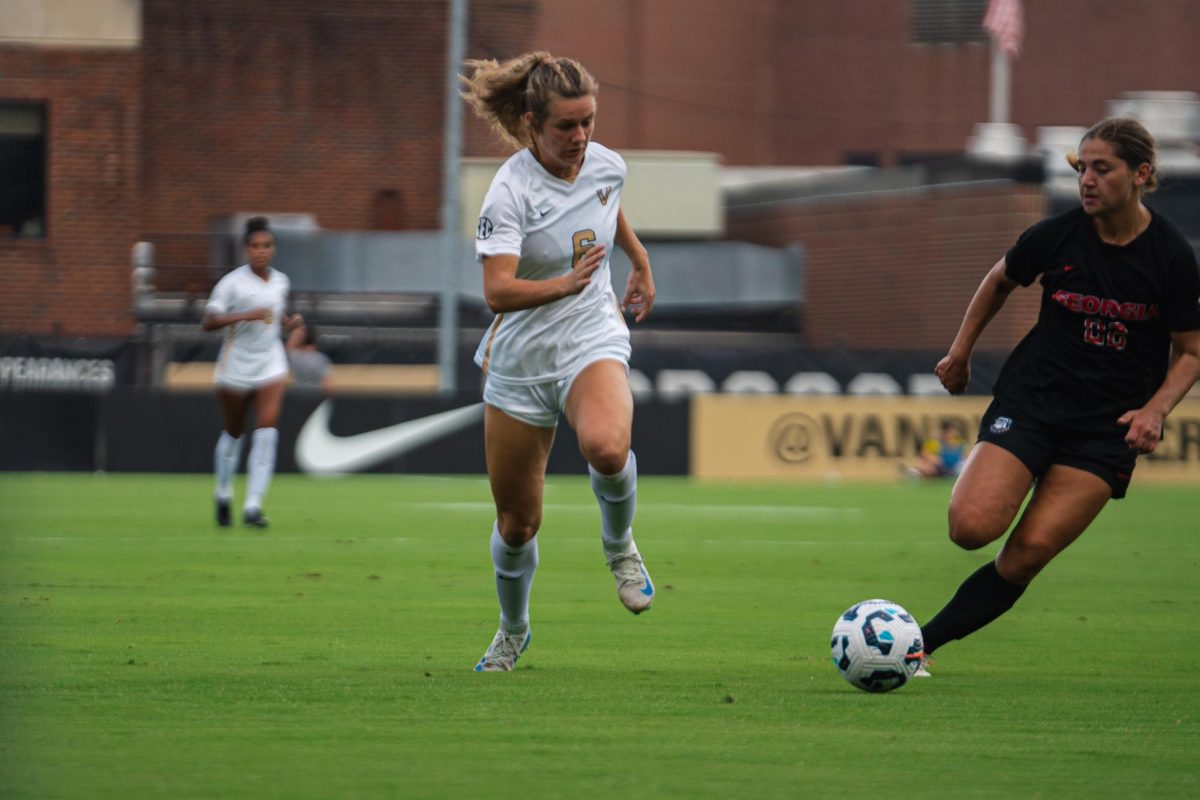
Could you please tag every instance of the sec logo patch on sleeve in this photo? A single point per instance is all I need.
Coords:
(484, 230)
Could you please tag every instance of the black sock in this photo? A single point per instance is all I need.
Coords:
(982, 598)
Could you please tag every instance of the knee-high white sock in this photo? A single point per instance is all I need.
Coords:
(225, 459)
(617, 495)
(514, 579)
(260, 466)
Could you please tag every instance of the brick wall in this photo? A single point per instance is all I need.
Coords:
(305, 107)
(335, 111)
(76, 280)
(809, 81)
(897, 270)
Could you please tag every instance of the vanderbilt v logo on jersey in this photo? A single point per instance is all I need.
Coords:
(603, 194)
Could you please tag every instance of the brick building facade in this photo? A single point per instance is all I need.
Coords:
(231, 106)
(75, 281)
(228, 106)
(333, 112)
(807, 82)
(895, 269)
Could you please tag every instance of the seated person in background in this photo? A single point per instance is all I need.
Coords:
(941, 455)
(310, 367)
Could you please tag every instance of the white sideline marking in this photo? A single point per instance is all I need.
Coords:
(589, 540)
(838, 542)
(674, 508)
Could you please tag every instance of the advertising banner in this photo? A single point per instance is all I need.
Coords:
(871, 437)
(131, 430)
(663, 368)
(78, 366)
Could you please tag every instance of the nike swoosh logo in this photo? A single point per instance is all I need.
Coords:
(319, 452)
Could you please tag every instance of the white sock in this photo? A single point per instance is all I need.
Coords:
(260, 466)
(514, 579)
(225, 458)
(617, 495)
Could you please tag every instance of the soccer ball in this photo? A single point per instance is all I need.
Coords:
(877, 645)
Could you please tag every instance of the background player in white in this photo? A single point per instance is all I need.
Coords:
(249, 302)
(559, 344)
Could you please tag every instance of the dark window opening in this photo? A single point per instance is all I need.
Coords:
(22, 170)
(861, 158)
(948, 21)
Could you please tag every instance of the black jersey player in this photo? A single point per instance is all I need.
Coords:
(1115, 347)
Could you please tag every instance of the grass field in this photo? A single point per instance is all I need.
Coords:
(146, 654)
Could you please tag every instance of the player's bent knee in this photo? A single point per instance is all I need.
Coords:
(971, 530)
(517, 529)
(967, 540)
(607, 458)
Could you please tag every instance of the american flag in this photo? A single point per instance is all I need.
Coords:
(1005, 21)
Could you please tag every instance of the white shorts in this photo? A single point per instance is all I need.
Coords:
(245, 371)
(540, 404)
(239, 384)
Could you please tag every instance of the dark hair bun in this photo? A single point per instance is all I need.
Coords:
(254, 225)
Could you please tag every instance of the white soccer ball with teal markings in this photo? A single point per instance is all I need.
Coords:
(877, 645)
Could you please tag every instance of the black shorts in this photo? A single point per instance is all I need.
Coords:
(1100, 451)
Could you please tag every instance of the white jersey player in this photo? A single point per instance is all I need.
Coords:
(249, 303)
(550, 223)
(559, 344)
(252, 353)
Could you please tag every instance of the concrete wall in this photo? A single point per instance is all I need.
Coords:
(72, 23)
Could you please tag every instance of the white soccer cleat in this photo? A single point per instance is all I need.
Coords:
(634, 586)
(503, 652)
(923, 670)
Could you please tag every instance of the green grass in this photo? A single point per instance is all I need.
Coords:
(146, 654)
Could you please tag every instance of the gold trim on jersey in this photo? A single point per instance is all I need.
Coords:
(230, 333)
(620, 313)
(487, 351)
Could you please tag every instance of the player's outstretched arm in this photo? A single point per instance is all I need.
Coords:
(295, 338)
(1145, 423)
(954, 370)
(639, 290)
